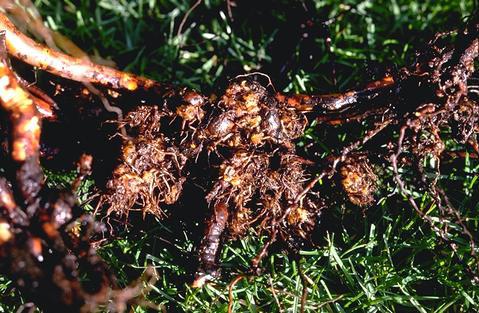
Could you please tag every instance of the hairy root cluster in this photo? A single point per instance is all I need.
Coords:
(245, 141)
(358, 180)
(240, 148)
(149, 172)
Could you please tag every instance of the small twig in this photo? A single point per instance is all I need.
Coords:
(305, 283)
(330, 301)
(229, 4)
(185, 17)
(275, 296)
(230, 291)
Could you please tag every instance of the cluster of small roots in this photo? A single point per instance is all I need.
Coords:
(262, 184)
(239, 148)
(150, 170)
(248, 137)
(358, 180)
(248, 117)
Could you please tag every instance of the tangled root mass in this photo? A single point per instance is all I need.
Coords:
(241, 148)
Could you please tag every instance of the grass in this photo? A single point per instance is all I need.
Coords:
(384, 260)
